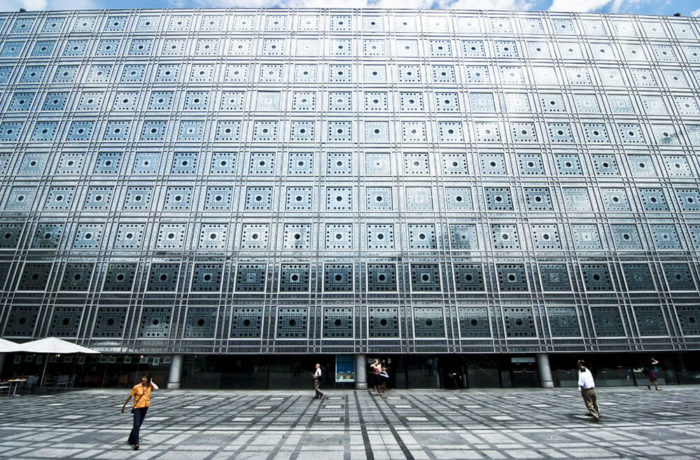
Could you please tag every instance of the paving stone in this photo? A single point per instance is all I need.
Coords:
(435, 424)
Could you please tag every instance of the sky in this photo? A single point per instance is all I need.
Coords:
(661, 7)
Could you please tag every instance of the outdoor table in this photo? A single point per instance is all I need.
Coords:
(14, 384)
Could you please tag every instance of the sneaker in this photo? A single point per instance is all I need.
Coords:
(135, 447)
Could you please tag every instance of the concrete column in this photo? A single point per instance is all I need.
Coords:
(175, 373)
(2, 362)
(360, 372)
(544, 370)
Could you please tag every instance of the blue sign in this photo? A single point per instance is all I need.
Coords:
(345, 368)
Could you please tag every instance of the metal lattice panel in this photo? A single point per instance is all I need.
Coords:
(468, 277)
(428, 322)
(251, 277)
(474, 322)
(109, 322)
(47, 236)
(381, 277)
(519, 322)
(689, 317)
(563, 322)
(511, 277)
(77, 276)
(383, 322)
(207, 277)
(607, 322)
(119, 277)
(292, 323)
(337, 322)
(425, 277)
(65, 321)
(338, 278)
(679, 277)
(21, 321)
(35, 276)
(155, 322)
(596, 277)
(638, 277)
(200, 323)
(246, 323)
(650, 321)
(294, 277)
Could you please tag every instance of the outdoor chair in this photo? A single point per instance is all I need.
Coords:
(31, 382)
(62, 381)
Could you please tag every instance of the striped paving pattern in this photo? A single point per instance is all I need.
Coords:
(418, 424)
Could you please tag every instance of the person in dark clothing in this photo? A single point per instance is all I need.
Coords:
(375, 382)
(651, 372)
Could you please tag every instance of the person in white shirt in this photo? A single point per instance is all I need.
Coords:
(587, 387)
(317, 382)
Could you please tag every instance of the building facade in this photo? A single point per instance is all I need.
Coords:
(418, 185)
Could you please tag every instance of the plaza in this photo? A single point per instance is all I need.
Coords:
(419, 424)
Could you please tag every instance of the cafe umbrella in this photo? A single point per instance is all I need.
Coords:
(51, 346)
(6, 346)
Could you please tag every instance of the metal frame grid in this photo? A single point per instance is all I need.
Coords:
(247, 181)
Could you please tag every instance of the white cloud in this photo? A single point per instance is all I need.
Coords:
(512, 5)
(270, 3)
(413, 4)
(578, 5)
(695, 13)
(634, 6)
(38, 5)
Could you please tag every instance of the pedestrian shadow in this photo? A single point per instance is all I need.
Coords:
(582, 418)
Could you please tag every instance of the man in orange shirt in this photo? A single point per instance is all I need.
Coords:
(142, 399)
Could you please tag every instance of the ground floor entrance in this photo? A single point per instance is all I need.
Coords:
(451, 371)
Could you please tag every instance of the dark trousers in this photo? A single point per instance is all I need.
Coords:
(317, 388)
(139, 415)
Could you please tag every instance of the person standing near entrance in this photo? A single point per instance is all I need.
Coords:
(142, 400)
(384, 376)
(376, 368)
(587, 387)
(317, 375)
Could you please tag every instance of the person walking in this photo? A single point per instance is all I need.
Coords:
(651, 372)
(142, 400)
(587, 387)
(317, 375)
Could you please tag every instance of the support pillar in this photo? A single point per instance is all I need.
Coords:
(2, 362)
(360, 372)
(175, 373)
(544, 370)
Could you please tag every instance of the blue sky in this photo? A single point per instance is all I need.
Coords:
(663, 7)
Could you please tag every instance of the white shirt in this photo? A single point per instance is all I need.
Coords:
(317, 374)
(585, 380)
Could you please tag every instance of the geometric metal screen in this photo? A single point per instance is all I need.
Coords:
(350, 180)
